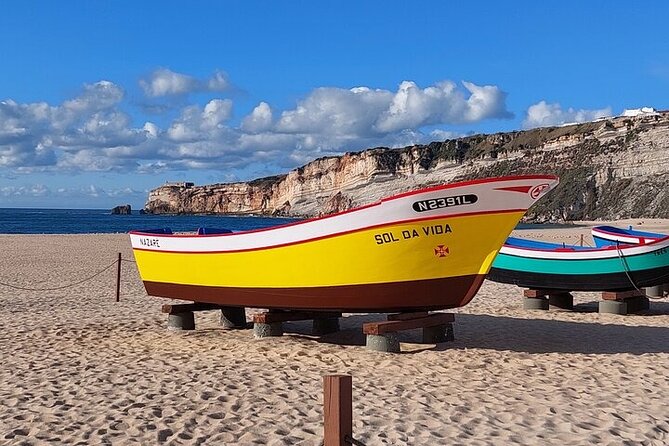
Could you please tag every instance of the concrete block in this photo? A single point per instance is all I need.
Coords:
(267, 330)
(384, 343)
(181, 321)
(613, 306)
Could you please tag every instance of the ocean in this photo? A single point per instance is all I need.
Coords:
(84, 221)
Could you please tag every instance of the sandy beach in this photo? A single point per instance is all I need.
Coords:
(79, 368)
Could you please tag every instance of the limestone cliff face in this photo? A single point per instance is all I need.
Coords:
(614, 168)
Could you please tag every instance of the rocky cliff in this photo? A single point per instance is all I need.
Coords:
(609, 169)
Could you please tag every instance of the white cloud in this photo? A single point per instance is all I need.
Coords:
(34, 190)
(363, 112)
(413, 107)
(216, 112)
(92, 132)
(102, 129)
(95, 97)
(259, 120)
(153, 167)
(543, 114)
(151, 129)
(485, 102)
(336, 111)
(41, 190)
(438, 134)
(331, 120)
(195, 124)
(218, 82)
(91, 160)
(165, 82)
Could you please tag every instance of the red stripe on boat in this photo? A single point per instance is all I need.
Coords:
(521, 189)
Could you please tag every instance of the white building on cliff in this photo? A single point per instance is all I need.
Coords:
(643, 111)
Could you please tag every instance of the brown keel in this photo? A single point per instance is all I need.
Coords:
(433, 294)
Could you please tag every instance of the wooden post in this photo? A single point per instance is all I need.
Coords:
(337, 409)
(581, 239)
(118, 278)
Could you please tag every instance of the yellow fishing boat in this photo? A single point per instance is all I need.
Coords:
(423, 250)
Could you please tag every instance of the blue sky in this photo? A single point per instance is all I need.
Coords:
(102, 101)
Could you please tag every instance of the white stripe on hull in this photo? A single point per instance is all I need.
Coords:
(594, 253)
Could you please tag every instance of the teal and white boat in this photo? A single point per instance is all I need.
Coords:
(611, 236)
(542, 265)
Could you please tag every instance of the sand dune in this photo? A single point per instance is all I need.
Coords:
(79, 368)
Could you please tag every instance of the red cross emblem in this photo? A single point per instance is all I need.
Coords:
(538, 190)
(441, 251)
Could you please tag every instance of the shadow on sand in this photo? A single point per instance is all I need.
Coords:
(504, 333)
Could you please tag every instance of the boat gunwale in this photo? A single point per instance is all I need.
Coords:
(621, 250)
(598, 232)
(360, 208)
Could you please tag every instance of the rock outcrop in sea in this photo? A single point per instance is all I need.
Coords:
(609, 169)
(124, 209)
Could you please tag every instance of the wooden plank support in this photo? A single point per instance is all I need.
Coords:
(621, 295)
(182, 308)
(337, 410)
(391, 326)
(539, 293)
(623, 302)
(286, 316)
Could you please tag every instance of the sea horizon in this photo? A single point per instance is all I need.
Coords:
(102, 221)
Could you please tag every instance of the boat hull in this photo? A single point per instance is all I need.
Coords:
(423, 250)
(581, 269)
(617, 281)
(392, 267)
(434, 294)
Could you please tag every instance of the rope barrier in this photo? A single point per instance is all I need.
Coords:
(16, 287)
(584, 242)
(581, 241)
